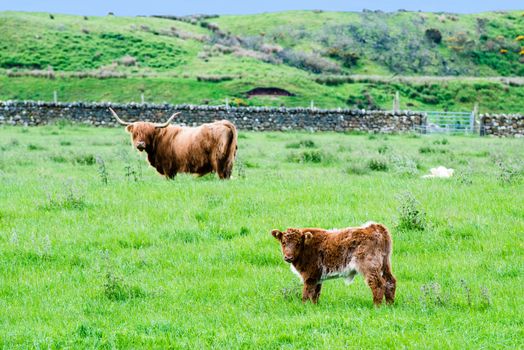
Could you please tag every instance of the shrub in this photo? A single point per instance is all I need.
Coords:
(433, 35)
(362, 101)
(214, 78)
(85, 159)
(308, 61)
(357, 169)
(509, 172)
(428, 149)
(332, 80)
(378, 164)
(116, 290)
(238, 102)
(127, 61)
(411, 215)
(102, 170)
(348, 58)
(71, 198)
(403, 165)
(310, 156)
(302, 144)
(33, 147)
(58, 159)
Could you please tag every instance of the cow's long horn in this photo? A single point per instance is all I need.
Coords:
(163, 125)
(118, 119)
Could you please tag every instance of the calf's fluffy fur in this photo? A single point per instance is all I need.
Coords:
(317, 255)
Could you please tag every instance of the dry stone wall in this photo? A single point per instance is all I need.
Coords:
(245, 118)
(502, 125)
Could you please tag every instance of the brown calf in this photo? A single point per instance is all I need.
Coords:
(317, 255)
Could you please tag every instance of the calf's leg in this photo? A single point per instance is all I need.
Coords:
(311, 291)
(316, 294)
(391, 282)
(377, 285)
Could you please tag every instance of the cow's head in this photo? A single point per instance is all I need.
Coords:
(292, 242)
(142, 133)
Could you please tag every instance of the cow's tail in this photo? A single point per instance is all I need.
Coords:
(387, 274)
(230, 150)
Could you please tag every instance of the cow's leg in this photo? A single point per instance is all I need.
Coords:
(377, 285)
(221, 174)
(317, 293)
(224, 169)
(224, 174)
(310, 290)
(170, 176)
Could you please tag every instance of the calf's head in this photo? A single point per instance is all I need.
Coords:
(292, 242)
(142, 133)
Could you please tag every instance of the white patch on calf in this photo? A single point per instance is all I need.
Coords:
(294, 270)
(347, 271)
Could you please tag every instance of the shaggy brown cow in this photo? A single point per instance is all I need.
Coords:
(174, 149)
(317, 255)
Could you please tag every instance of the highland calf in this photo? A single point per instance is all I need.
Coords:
(317, 255)
(174, 149)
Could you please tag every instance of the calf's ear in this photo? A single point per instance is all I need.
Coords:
(307, 236)
(277, 234)
(129, 128)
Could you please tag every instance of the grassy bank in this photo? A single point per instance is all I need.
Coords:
(492, 97)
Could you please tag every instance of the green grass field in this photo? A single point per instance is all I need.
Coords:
(98, 251)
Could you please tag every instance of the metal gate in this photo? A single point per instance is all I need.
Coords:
(450, 122)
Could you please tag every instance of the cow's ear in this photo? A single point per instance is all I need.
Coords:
(277, 234)
(307, 236)
(129, 128)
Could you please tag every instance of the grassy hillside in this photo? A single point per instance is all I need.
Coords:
(98, 251)
(311, 54)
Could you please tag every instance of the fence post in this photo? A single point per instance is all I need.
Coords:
(142, 98)
(396, 103)
(55, 96)
(474, 118)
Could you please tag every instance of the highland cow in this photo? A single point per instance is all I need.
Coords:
(171, 149)
(317, 255)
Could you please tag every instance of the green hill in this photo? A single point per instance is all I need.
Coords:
(335, 59)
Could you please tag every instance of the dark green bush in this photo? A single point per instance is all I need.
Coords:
(302, 144)
(85, 159)
(378, 164)
(310, 156)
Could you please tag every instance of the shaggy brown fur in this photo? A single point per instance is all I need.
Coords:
(208, 148)
(318, 254)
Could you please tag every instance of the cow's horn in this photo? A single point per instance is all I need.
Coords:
(118, 119)
(163, 125)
